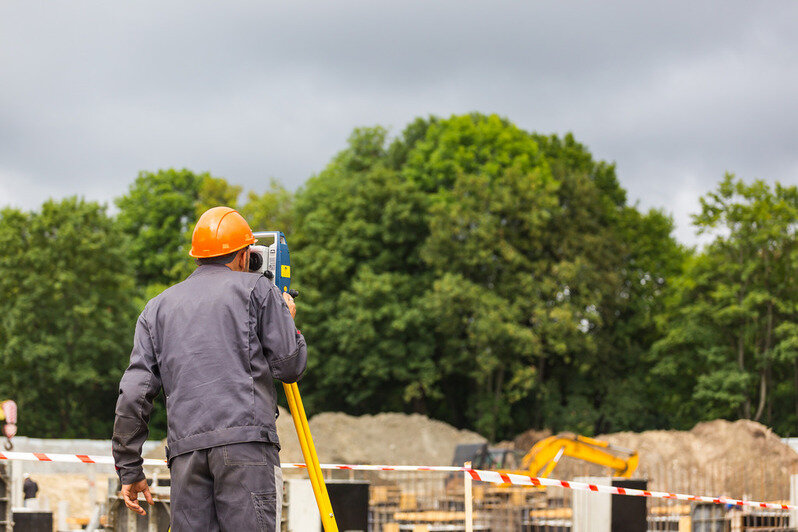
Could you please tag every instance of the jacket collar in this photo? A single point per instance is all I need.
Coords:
(208, 268)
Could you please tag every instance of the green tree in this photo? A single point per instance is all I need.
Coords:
(630, 395)
(731, 335)
(491, 197)
(270, 211)
(356, 263)
(156, 213)
(66, 313)
(480, 274)
(213, 192)
(606, 265)
(159, 212)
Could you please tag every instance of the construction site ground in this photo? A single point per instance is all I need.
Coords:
(741, 458)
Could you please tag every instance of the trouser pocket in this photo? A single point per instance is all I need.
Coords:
(248, 492)
(265, 510)
(245, 454)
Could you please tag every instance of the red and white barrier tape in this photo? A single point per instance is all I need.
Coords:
(494, 477)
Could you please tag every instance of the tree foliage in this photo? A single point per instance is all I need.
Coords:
(66, 308)
(731, 335)
(466, 269)
(271, 210)
(495, 263)
(159, 212)
(355, 245)
(156, 213)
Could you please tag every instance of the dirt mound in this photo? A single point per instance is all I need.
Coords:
(717, 457)
(388, 438)
(526, 440)
(740, 458)
(718, 441)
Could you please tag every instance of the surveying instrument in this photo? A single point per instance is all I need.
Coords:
(274, 262)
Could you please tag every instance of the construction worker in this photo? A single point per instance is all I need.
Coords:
(29, 489)
(214, 342)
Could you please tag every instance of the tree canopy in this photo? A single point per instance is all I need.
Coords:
(66, 307)
(491, 277)
(731, 337)
(476, 272)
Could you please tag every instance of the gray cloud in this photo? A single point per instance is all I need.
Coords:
(675, 92)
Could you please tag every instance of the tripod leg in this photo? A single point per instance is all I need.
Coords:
(311, 459)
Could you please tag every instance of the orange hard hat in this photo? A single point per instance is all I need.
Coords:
(219, 231)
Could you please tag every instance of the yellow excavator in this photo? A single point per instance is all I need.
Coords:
(544, 456)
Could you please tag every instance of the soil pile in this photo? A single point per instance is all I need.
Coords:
(740, 458)
(717, 458)
(388, 438)
(740, 443)
(526, 440)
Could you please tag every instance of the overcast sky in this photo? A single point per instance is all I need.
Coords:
(676, 93)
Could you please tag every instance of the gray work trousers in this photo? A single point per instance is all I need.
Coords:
(231, 487)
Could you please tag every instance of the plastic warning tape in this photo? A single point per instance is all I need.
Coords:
(70, 458)
(497, 477)
(494, 477)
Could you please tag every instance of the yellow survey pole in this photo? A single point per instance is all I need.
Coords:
(311, 459)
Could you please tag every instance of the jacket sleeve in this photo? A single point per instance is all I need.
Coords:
(283, 346)
(140, 384)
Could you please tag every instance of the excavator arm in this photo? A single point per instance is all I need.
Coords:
(541, 460)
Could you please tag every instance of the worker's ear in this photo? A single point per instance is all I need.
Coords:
(243, 260)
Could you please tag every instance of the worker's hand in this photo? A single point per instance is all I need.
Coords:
(290, 302)
(130, 494)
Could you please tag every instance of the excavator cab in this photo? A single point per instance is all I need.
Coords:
(482, 456)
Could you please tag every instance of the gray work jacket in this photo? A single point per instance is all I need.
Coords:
(213, 342)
